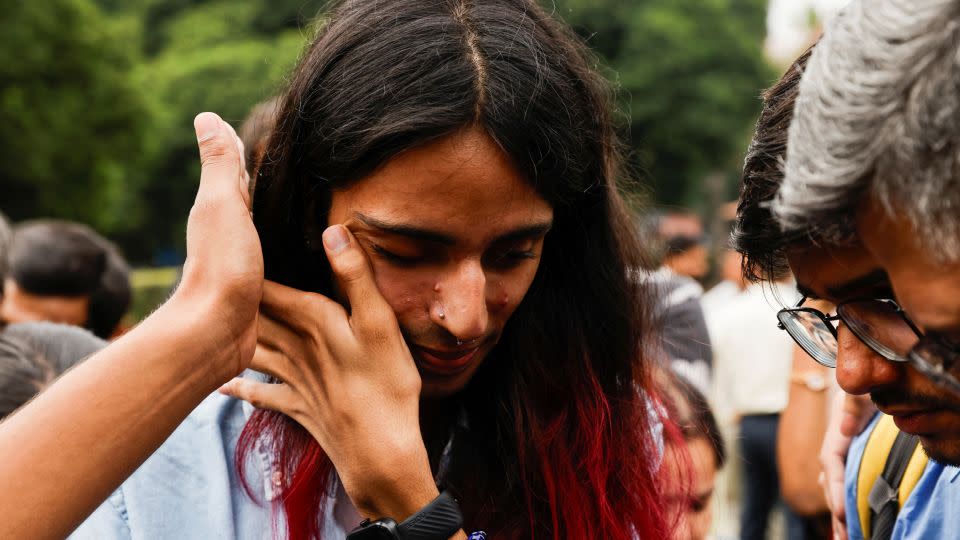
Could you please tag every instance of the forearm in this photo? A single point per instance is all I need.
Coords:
(65, 452)
(802, 426)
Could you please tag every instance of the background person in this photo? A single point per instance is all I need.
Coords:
(679, 318)
(693, 459)
(841, 273)
(890, 196)
(752, 360)
(256, 128)
(54, 268)
(886, 183)
(33, 355)
(65, 272)
(110, 301)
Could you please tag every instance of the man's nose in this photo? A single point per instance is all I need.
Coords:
(463, 296)
(859, 369)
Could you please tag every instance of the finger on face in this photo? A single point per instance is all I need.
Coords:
(275, 397)
(354, 275)
(299, 311)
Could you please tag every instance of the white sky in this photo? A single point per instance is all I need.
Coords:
(787, 25)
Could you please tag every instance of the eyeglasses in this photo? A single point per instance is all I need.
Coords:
(882, 325)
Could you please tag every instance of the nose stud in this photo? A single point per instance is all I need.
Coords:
(440, 313)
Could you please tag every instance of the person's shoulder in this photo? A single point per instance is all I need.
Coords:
(190, 485)
(926, 513)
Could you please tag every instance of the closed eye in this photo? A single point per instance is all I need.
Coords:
(510, 259)
(398, 260)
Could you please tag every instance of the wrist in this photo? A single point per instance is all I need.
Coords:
(814, 381)
(397, 487)
(210, 343)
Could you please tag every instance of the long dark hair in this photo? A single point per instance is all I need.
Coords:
(560, 439)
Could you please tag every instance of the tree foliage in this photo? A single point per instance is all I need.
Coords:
(97, 96)
(71, 119)
(690, 74)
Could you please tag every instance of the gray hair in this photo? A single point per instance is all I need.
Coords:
(878, 115)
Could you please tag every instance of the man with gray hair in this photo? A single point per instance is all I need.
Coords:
(872, 176)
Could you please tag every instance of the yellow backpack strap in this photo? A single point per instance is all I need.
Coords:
(874, 459)
(918, 464)
(871, 466)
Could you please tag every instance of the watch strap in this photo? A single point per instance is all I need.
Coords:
(439, 519)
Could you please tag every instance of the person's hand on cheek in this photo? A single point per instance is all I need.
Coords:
(349, 379)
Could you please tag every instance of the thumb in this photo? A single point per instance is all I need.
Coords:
(221, 164)
(353, 274)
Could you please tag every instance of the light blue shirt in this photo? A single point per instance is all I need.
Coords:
(189, 488)
(928, 512)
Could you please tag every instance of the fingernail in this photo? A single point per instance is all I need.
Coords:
(335, 238)
(207, 126)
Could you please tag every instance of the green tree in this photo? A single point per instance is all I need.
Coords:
(72, 124)
(211, 60)
(690, 73)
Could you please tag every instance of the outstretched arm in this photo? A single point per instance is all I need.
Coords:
(66, 451)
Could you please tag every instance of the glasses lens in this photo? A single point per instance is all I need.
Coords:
(811, 332)
(881, 327)
(936, 357)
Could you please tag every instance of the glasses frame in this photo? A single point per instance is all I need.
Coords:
(927, 344)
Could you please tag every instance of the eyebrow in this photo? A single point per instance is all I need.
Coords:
(426, 235)
(849, 287)
(859, 284)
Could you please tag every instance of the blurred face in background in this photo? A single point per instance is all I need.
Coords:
(731, 268)
(18, 305)
(690, 493)
(692, 262)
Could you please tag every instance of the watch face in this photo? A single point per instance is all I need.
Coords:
(378, 530)
(816, 382)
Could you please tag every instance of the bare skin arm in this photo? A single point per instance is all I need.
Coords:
(67, 450)
(802, 425)
(849, 416)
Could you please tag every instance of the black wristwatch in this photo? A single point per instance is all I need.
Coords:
(438, 520)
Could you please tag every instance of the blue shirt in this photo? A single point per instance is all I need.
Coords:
(927, 512)
(189, 488)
